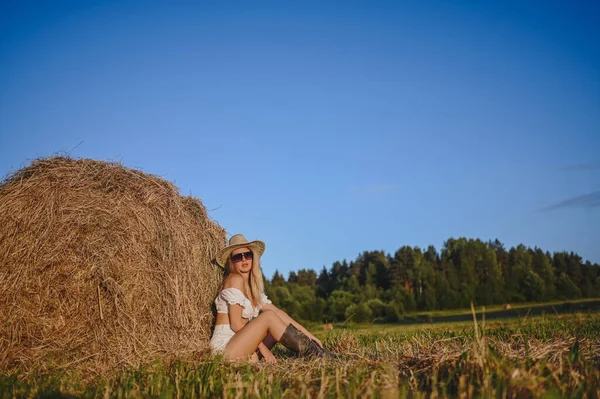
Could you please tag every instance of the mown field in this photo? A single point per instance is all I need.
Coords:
(550, 356)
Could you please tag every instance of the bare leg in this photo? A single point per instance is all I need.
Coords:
(288, 320)
(269, 342)
(284, 316)
(246, 340)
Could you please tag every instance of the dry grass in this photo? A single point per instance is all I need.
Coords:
(519, 358)
(554, 357)
(102, 267)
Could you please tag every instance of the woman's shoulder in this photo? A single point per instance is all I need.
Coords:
(234, 281)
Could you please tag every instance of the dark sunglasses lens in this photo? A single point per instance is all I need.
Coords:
(239, 257)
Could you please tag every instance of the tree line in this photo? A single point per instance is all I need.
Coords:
(380, 286)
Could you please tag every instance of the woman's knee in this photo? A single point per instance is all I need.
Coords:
(268, 314)
(271, 316)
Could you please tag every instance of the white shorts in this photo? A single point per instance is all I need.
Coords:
(221, 337)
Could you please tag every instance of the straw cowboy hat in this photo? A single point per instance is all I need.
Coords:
(239, 241)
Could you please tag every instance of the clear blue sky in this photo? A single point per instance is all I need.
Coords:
(325, 129)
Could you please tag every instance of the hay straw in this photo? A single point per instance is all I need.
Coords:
(101, 267)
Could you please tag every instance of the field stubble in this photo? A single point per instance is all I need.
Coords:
(556, 356)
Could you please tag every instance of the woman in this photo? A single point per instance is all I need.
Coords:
(246, 318)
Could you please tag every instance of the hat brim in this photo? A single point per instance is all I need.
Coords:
(256, 246)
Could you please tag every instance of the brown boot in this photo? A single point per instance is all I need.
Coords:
(296, 341)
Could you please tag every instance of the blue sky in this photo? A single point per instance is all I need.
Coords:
(323, 128)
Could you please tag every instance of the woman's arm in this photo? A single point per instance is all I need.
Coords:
(288, 320)
(266, 353)
(236, 321)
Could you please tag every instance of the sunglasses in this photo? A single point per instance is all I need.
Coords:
(244, 255)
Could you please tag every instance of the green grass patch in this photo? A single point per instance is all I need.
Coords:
(549, 356)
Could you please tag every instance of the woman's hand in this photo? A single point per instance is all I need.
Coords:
(267, 354)
(317, 340)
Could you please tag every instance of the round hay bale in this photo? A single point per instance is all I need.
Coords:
(102, 267)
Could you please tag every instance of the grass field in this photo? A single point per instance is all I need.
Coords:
(542, 356)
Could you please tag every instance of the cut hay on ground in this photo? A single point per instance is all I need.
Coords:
(102, 267)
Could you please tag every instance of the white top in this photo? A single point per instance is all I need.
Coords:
(233, 296)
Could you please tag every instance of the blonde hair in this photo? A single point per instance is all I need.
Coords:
(254, 287)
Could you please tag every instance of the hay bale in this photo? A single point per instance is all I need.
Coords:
(102, 267)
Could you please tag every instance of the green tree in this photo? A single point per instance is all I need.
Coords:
(490, 283)
(460, 257)
(466, 270)
(519, 267)
(337, 303)
(560, 262)
(340, 272)
(402, 268)
(309, 307)
(359, 313)
(324, 283)
(354, 287)
(574, 268)
(533, 286)
(282, 298)
(565, 288)
(426, 298)
(378, 308)
(542, 265)
(589, 288)
(376, 263)
(307, 278)
(277, 279)
(292, 278)
(394, 311)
